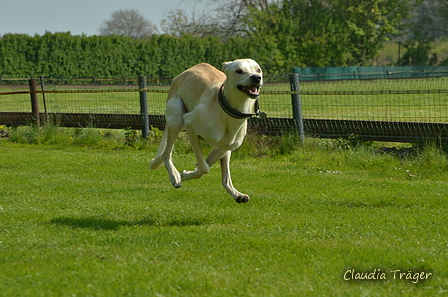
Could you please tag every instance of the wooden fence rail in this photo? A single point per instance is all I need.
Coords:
(364, 130)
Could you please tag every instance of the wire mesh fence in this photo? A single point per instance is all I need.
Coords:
(84, 96)
(330, 108)
(380, 100)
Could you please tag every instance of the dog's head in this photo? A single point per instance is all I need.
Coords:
(245, 75)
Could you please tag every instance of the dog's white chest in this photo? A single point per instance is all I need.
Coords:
(222, 134)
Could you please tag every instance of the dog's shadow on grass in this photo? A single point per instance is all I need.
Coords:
(97, 223)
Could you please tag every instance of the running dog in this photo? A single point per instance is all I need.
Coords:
(212, 106)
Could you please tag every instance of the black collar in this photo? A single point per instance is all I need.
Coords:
(232, 111)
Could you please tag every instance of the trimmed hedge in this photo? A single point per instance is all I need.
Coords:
(66, 55)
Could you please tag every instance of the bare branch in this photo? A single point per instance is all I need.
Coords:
(128, 22)
(221, 18)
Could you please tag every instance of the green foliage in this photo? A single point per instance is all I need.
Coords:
(81, 137)
(289, 34)
(319, 33)
(418, 52)
(267, 146)
(47, 134)
(371, 23)
(130, 136)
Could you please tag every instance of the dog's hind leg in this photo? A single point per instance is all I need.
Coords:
(174, 123)
(227, 180)
(201, 166)
(216, 154)
(167, 155)
(212, 158)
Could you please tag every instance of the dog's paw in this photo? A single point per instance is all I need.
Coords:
(176, 180)
(177, 185)
(187, 174)
(242, 199)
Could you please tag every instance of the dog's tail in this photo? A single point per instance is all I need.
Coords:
(158, 161)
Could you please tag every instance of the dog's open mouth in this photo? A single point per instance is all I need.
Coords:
(253, 91)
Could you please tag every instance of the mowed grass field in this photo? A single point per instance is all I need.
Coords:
(85, 221)
(322, 100)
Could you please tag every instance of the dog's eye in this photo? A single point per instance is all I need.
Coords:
(239, 71)
(258, 70)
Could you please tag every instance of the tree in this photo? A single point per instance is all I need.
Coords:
(178, 23)
(307, 33)
(325, 33)
(417, 52)
(420, 33)
(373, 22)
(128, 22)
(442, 12)
(223, 19)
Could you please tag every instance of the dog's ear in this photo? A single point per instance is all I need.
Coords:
(225, 64)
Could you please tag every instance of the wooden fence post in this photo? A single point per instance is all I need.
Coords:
(144, 106)
(297, 106)
(34, 102)
(42, 86)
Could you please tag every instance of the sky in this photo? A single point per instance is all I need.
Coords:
(77, 16)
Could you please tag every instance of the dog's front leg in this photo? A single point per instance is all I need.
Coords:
(227, 180)
(201, 167)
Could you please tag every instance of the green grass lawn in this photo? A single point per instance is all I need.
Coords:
(83, 221)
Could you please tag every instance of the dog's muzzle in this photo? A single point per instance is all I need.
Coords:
(252, 90)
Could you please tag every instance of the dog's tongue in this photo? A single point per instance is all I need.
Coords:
(253, 89)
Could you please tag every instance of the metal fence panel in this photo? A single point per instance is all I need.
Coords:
(394, 110)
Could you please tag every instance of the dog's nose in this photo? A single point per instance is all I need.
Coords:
(256, 78)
